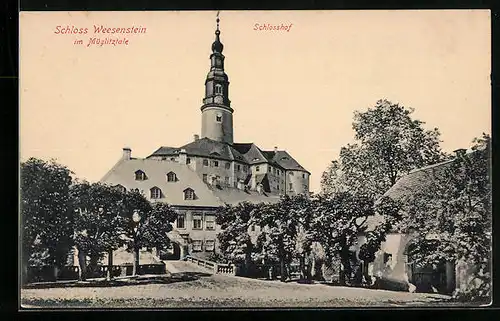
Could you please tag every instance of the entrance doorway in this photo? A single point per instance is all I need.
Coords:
(171, 252)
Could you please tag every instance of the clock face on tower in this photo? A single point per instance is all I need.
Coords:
(219, 99)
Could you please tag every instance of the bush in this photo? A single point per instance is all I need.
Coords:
(479, 293)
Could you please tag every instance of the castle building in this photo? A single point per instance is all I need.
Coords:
(210, 171)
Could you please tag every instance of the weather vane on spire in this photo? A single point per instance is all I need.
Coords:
(218, 20)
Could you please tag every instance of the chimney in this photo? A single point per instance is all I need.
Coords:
(196, 137)
(240, 185)
(127, 153)
(182, 156)
(460, 152)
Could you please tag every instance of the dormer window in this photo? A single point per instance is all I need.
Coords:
(256, 159)
(155, 193)
(189, 194)
(214, 154)
(140, 176)
(218, 118)
(218, 89)
(171, 177)
(121, 188)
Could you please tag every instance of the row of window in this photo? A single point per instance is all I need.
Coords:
(188, 160)
(197, 221)
(156, 193)
(141, 176)
(198, 245)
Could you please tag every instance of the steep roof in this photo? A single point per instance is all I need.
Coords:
(123, 173)
(204, 147)
(156, 172)
(409, 185)
(284, 160)
(252, 154)
(243, 152)
(415, 181)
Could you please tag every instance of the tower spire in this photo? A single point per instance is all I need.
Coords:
(217, 114)
(217, 46)
(217, 22)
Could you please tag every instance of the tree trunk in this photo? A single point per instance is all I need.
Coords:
(82, 262)
(345, 271)
(302, 267)
(248, 262)
(135, 268)
(283, 269)
(309, 270)
(56, 272)
(94, 260)
(110, 265)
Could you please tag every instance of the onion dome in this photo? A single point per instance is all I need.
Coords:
(217, 46)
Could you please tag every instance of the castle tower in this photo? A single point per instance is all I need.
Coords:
(216, 112)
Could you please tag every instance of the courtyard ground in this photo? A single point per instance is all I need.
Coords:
(202, 290)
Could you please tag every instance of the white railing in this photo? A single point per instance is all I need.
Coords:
(216, 268)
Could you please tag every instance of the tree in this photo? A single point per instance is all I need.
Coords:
(280, 226)
(98, 223)
(388, 144)
(389, 215)
(340, 218)
(306, 236)
(45, 213)
(451, 215)
(153, 231)
(146, 224)
(235, 242)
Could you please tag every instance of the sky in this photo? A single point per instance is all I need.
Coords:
(296, 89)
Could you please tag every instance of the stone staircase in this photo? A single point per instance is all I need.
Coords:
(185, 267)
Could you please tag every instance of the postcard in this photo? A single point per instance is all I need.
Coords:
(255, 159)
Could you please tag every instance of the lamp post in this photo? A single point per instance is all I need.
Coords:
(136, 218)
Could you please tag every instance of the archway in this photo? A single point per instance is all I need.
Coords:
(432, 277)
(171, 252)
(178, 248)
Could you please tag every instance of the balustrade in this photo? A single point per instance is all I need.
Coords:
(217, 268)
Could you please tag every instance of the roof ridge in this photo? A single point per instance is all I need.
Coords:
(106, 176)
(431, 166)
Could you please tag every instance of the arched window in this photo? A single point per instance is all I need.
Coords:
(155, 193)
(218, 118)
(140, 176)
(171, 177)
(218, 89)
(189, 194)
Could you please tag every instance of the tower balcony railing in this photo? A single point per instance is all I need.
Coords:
(216, 100)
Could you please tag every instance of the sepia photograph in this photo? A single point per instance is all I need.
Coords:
(255, 159)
